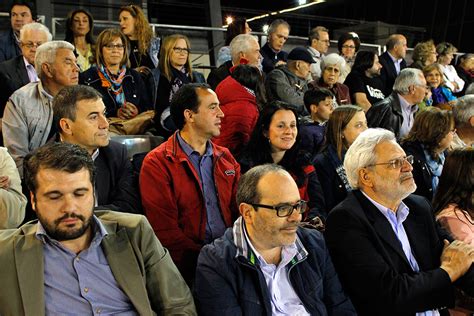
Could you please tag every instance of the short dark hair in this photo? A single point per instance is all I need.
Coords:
(316, 95)
(314, 33)
(363, 61)
(251, 78)
(348, 36)
(186, 98)
(31, 5)
(235, 28)
(65, 102)
(247, 191)
(58, 156)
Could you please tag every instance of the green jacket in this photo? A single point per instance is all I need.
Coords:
(142, 267)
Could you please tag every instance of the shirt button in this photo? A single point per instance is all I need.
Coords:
(77, 259)
(86, 289)
(98, 311)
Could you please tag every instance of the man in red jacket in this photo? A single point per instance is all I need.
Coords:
(188, 184)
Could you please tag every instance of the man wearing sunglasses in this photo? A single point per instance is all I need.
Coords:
(391, 256)
(266, 264)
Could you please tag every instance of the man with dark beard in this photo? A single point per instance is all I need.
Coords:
(73, 261)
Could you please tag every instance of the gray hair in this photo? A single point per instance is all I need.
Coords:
(275, 24)
(407, 78)
(463, 110)
(470, 89)
(362, 152)
(241, 44)
(35, 27)
(314, 33)
(247, 188)
(46, 53)
(332, 59)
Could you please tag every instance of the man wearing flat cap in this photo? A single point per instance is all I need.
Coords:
(288, 83)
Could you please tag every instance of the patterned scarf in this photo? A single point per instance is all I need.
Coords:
(180, 78)
(113, 83)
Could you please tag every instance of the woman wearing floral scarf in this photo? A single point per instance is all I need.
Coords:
(123, 91)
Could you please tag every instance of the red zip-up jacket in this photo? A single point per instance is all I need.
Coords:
(173, 199)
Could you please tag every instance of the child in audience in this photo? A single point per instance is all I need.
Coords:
(441, 95)
(320, 103)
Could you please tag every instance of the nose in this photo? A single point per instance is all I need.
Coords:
(69, 204)
(103, 122)
(219, 112)
(295, 216)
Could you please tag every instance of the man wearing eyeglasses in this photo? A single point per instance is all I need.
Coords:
(391, 256)
(19, 71)
(393, 60)
(397, 111)
(266, 264)
(318, 45)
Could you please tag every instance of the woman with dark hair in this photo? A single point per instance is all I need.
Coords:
(175, 70)
(365, 86)
(275, 139)
(453, 202)
(80, 33)
(237, 27)
(343, 127)
(348, 46)
(241, 96)
(427, 141)
(144, 46)
(123, 91)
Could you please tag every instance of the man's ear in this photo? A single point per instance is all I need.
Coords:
(33, 201)
(47, 70)
(471, 121)
(188, 115)
(65, 126)
(313, 108)
(365, 177)
(246, 210)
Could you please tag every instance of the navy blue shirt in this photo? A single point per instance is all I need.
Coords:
(215, 226)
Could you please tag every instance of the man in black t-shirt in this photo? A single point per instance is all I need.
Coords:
(364, 81)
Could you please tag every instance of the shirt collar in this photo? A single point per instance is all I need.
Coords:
(95, 154)
(407, 107)
(394, 59)
(189, 150)
(27, 63)
(401, 214)
(246, 249)
(99, 232)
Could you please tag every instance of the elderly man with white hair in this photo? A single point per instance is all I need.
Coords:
(331, 68)
(463, 112)
(244, 49)
(28, 118)
(391, 256)
(397, 112)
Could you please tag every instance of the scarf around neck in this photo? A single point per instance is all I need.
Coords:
(113, 83)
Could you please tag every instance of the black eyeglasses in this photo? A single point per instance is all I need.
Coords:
(181, 50)
(396, 163)
(348, 46)
(285, 210)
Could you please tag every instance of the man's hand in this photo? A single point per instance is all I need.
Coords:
(4, 182)
(456, 258)
(127, 111)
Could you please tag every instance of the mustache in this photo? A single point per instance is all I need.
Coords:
(405, 176)
(71, 215)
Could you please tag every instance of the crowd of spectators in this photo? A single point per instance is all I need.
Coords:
(294, 182)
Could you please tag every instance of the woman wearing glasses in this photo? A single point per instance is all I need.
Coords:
(175, 71)
(275, 139)
(454, 199)
(343, 127)
(348, 46)
(427, 141)
(122, 88)
(144, 47)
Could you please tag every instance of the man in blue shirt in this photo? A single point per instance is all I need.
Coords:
(266, 264)
(72, 261)
(391, 256)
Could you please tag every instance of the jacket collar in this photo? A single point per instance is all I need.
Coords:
(174, 150)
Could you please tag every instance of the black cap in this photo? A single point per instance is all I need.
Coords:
(301, 53)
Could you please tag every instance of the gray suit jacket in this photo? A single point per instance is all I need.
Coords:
(142, 267)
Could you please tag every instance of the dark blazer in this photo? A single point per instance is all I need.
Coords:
(8, 46)
(270, 58)
(388, 74)
(217, 75)
(13, 76)
(115, 184)
(373, 268)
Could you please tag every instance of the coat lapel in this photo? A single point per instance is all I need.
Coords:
(382, 227)
(30, 272)
(127, 271)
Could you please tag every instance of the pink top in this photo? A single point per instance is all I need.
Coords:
(458, 222)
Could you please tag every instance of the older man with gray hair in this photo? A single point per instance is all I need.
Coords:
(391, 256)
(28, 118)
(397, 112)
(244, 49)
(463, 112)
(20, 70)
(318, 45)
